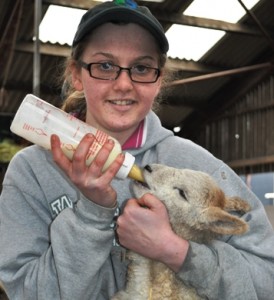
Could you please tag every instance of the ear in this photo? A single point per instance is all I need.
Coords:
(221, 222)
(236, 204)
(76, 77)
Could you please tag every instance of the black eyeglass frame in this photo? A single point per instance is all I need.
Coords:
(88, 68)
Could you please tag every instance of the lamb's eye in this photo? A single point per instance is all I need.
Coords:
(182, 193)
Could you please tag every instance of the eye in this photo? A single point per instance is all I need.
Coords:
(182, 193)
(106, 66)
(140, 69)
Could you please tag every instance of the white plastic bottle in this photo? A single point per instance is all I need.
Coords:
(36, 120)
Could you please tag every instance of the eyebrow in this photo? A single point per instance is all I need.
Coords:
(109, 55)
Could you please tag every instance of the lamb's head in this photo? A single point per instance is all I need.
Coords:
(196, 205)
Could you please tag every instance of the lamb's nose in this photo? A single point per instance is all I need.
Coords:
(148, 168)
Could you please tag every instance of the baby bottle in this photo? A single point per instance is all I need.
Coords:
(36, 120)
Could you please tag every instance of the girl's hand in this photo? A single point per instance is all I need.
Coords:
(90, 180)
(144, 228)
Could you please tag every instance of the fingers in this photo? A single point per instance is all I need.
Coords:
(105, 162)
(58, 155)
(133, 218)
(85, 160)
(70, 159)
(82, 159)
(83, 153)
(150, 201)
(142, 208)
(130, 209)
(141, 220)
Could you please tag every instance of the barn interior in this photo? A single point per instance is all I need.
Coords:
(223, 101)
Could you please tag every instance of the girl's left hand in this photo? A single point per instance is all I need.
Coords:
(144, 227)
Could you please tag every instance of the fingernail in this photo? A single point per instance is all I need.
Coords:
(111, 142)
(53, 138)
(122, 155)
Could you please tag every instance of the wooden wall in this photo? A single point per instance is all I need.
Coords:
(243, 136)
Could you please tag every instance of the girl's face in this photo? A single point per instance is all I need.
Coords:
(118, 106)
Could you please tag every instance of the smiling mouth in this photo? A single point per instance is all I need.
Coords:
(121, 102)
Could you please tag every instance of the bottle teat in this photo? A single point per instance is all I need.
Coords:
(136, 173)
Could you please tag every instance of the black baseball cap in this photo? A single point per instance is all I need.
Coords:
(123, 11)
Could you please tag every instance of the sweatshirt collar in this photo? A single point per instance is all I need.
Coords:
(138, 138)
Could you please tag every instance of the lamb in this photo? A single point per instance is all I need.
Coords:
(198, 210)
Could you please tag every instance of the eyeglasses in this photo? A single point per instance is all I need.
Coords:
(108, 71)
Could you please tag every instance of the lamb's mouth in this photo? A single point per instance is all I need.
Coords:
(142, 184)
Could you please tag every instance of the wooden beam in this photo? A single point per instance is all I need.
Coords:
(190, 66)
(46, 49)
(82, 4)
(222, 73)
(251, 162)
(206, 23)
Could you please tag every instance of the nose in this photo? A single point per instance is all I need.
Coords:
(123, 81)
(148, 168)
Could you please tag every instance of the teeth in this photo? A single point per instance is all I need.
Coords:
(122, 102)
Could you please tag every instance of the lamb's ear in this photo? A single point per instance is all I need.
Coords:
(236, 204)
(221, 222)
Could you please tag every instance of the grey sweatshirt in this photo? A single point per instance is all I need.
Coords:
(56, 244)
